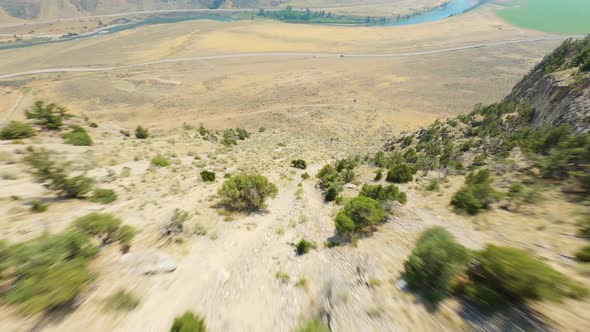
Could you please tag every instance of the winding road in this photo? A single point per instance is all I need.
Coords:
(281, 54)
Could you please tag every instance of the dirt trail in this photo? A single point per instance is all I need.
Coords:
(282, 54)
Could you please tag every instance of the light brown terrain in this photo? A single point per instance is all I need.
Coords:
(314, 108)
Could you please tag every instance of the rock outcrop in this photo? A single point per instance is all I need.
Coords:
(558, 90)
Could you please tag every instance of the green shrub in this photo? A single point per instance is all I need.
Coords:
(103, 196)
(433, 185)
(584, 225)
(520, 194)
(39, 206)
(314, 326)
(78, 136)
(380, 193)
(330, 181)
(189, 322)
(77, 186)
(305, 176)
(47, 272)
(303, 247)
(16, 130)
(103, 226)
(53, 176)
(207, 176)
(359, 215)
(400, 173)
(476, 194)
(93, 125)
(484, 297)
(583, 255)
(332, 193)
(434, 264)
(517, 276)
(378, 175)
(47, 116)
(299, 163)
(141, 132)
(122, 300)
(160, 161)
(246, 192)
(242, 133)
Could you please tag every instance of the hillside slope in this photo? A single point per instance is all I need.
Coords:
(558, 88)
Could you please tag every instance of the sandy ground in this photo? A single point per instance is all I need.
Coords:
(312, 108)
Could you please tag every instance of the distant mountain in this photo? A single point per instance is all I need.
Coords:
(32, 9)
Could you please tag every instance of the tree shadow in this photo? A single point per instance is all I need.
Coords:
(54, 316)
(517, 317)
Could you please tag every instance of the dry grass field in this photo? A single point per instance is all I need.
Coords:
(311, 107)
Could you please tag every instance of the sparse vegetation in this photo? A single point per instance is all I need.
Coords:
(53, 175)
(189, 322)
(48, 116)
(39, 206)
(78, 136)
(103, 196)
(16, 130)
(380, 193)
(141, 132)
(359, 215)
(314, 326)
(246, 192)
(160, 161)
(283, 277)
(583, 255)
(122, 300)
(207, 176)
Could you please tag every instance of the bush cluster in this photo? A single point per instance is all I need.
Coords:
(380, 193)
(48, 116)
(246, 192)
(107, 228)
(476, 194)
(439, 266)
(78, 136)
(332, 178)
(231, 136)
(189, 322)
(435, 262)
(53, 176)
(16, 130)
(359, 215)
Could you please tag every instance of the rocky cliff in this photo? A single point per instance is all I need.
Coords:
(558, 88)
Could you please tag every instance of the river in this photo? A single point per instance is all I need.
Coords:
(453, 8)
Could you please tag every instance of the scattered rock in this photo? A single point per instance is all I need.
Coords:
(149, 262)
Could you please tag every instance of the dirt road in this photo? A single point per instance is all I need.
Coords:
(282, 54)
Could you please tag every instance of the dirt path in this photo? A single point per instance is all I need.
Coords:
(283, 54)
